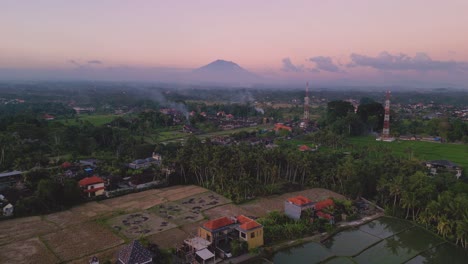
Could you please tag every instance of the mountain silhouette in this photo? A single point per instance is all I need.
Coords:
(221, 71)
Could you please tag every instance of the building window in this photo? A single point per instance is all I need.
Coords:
(243, 235)
(208, 237)
(252, 235)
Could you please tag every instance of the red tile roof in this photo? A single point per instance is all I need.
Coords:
(279, 126)
(304, 148)
(299, 200)
(66, 165)
(324, 215)
(247, 223)
(218, 223)
(90, 180)
(324, 204)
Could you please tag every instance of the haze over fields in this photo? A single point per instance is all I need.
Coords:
(363, 42)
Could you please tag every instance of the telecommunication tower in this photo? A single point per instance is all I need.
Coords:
(306, 104)
(386, 124)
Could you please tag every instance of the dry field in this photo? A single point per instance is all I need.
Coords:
(180, 192)
(168, 239)
(135, 225)
(226, 210)
(177, 213)
(27, 251)
(81, 240)
(166, 216)
(24, 228)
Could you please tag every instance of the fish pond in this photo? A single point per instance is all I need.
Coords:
(384, 240)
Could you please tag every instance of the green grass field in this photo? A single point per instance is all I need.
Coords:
(96, 120)
(457, 153)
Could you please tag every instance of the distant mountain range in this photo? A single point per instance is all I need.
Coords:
(221, 71)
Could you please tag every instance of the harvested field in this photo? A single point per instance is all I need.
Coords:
(109, 254)
(177, 213)
(91, 209)
(180, 192)
(204, 201)
(24, 228)
(136, 225)
(130, 197)
(226, 210)
(27, 251)
(168, 239)
(66, 218)
(81, 240)
(192, 228)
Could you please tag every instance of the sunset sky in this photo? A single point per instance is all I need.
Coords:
(362, 41)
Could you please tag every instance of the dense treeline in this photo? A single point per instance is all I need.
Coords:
(341, 119)
(402, 186)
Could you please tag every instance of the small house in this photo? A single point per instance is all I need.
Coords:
(294, 206)
(8, 210)
(216, 231)
(134, 253)
(155, 159)
(250, 231)
(436, 166)
(92, 186)
(48, 117)
(9, 179)
(222, 230)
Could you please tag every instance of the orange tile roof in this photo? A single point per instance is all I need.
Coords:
(299, 200)
(304, 148)
(279, 126)
(218, 223)
(324, 215)
(324, 204)
(90, 180)
(247, 223)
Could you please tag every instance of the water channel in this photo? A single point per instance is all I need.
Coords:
(384, 240)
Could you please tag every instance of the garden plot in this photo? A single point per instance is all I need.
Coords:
(28, 251)
(140, 224)
(23, 228)
(81, 240)
(178, 213)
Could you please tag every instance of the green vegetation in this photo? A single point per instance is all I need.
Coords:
(278, 227)
(94, 119)
(418, 149)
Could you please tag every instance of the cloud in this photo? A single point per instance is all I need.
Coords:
(288, 66)
(402, 62)
(325, 64)
(95, 62)
(73, 62)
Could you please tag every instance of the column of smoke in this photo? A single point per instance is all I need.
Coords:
(245, 97)
(161, 99)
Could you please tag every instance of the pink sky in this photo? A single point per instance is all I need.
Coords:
(258, 35)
